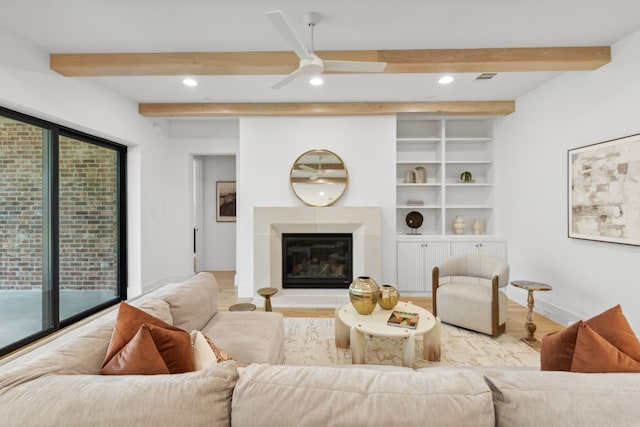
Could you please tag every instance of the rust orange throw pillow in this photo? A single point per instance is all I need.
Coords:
(593, 353)
(556, 352)
(142, 344)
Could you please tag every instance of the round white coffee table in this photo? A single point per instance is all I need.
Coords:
(352, 326)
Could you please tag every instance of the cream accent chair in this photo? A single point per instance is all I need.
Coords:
(467, 292)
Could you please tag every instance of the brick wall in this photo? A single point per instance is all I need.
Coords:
(87, 211)
(20, 206)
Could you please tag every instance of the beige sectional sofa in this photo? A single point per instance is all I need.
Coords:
(63, 387)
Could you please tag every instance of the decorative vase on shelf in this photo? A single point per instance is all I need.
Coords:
(388, 298)
(421, 174)
(458, 225)
(477, 227)
(364, 293)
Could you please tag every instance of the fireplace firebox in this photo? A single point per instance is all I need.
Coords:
(317, 260)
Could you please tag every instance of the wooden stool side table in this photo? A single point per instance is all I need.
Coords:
(530, 286)
(267, 293)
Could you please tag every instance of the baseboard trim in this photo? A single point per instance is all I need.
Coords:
(550, 311)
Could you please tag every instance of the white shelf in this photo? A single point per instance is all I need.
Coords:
(418, 184)
(418, 162)
(418, 140)
(468, 184)
(468, 162)
(470, 139)
(468, 207)
(418, 207)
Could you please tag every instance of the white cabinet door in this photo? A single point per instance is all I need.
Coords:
(410, 266)
(434, 254)
(415, 262)
(498, 249)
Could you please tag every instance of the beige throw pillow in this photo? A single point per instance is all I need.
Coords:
(206, 353)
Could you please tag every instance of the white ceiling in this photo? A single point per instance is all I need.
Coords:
(101, 26)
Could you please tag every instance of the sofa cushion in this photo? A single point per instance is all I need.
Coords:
(125, 357)
(249, 336)
(201, 398)
(329, 395)
(595, 354)
(194, 302)
(556, 352)
(153, 350)
(534, 398)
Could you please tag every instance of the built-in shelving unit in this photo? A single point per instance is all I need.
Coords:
(445, 148)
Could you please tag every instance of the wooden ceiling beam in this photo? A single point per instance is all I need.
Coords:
(264, 63)
(464, 108)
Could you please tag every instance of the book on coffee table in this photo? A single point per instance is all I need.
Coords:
(403, 319)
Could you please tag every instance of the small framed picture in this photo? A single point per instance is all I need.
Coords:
(225, 201)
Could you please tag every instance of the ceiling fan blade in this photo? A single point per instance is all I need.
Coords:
(308, 168)
(280, 21)
(354, 66)
(289, 78)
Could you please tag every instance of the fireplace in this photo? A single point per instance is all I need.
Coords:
(317, 260)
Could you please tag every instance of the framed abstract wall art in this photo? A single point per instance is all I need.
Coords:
(225, 201)
(604, 191)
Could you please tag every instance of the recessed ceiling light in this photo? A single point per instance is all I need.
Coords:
(316, 81)
(189, 82)
(444, 80)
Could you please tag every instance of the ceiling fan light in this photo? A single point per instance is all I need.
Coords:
(316, 81)
(190, 82)
(445, 80)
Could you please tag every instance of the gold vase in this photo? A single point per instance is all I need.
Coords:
(388, 297)
(364, 293)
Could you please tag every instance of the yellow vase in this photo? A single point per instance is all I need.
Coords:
(364, 293)
(388, 297)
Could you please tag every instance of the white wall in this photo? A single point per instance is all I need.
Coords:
(573, 110)
(219, 237)
(28, 85)
(189, 138)
(270, 145)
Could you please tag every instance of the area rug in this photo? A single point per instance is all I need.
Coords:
(311, 341)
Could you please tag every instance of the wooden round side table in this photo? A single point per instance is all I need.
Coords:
(242, 306)
(267, 293)
(529, 326)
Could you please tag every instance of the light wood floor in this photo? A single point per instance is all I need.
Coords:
(516, 315)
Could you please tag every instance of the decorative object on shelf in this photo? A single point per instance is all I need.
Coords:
(417, 175)
(364, 293)
(415, 202)
(477, 227)
(458, 225)
(319, 177)
(604, 201)
(466, 177)
(388, 298)
(414, 221)
(410, 177)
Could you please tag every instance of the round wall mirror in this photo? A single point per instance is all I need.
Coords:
(319, 177)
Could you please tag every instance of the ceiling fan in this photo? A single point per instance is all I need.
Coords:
(310, 63)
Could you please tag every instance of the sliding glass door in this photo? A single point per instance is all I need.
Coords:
(62, 227)
(23, 297)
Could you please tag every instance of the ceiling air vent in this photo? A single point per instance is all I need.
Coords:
(486, 76)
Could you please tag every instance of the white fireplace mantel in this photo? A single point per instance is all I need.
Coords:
(364, 223)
